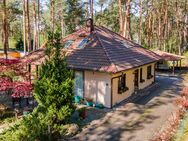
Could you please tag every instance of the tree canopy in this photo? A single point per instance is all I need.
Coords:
(154, 24)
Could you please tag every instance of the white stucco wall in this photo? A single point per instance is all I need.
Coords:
(147, 82)
(97, 86)
(116, 98)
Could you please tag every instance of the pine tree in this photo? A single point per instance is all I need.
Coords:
(54, 89)
(73, 15)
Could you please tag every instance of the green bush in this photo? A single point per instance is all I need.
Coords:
(6, 116)
(54, 93)
(29, 128)
(19, 44)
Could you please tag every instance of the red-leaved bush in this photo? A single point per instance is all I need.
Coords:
(22, 89)
(5, 83)
(8, 62)
(19, 89)
(184, 92)
(14, 65)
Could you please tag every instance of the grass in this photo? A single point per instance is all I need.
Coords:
(182, 132)
(184, 61)
(185, 54)
(12, 44)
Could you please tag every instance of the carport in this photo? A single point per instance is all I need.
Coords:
(169, 57)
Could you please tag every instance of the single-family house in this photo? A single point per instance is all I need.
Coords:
(108, 67)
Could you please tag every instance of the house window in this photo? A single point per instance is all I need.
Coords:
(141, 76)
(122, 84)
(68, 43)
(79, 83)
(83, 43)
(149, 75)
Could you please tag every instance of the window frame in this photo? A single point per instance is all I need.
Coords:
(122, 85)
(83, 43)
(149, 72)
(141, 76)
(68, 43)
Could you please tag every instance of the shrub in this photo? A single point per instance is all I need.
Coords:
(54, 89)
(184, 92)
(54, 93)
(29, 128)
(19, 44)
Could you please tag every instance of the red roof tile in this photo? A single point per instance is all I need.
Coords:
(110, 52)
(106, 51)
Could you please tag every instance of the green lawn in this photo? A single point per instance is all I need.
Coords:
(182, 132)
(12, 43)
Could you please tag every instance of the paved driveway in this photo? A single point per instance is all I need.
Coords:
(137, 121)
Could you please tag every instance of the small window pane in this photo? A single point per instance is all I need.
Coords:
(149, 75)
(82, 43)
(68, 43)
(122, 84)
(141, 75)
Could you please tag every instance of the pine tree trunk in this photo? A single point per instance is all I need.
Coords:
(185, 32)
(159, 27)
(178, 30)
(166, 25)
(24, 27)
(149, 30)
(101, 9)
(153, 25)
(62, 24)
(52, 13)
(28, 28)
(34, 25)
(5, 36)
(87, 10)
(127, 21)
(38, 24)
(91, 8)
(140, 23)
(120, 17)
(61, 17)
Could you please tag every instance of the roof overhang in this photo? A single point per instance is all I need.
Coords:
(169, 56)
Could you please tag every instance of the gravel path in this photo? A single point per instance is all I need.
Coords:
(137, 121)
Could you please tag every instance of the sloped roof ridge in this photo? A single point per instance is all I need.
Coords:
(111, 62)
(82, 28)
(136, 45)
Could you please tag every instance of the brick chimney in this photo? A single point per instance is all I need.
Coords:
(89, 24)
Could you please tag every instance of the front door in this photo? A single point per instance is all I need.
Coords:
(136, 79)
(79, 83)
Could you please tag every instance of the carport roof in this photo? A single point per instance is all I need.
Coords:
(169, 56)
